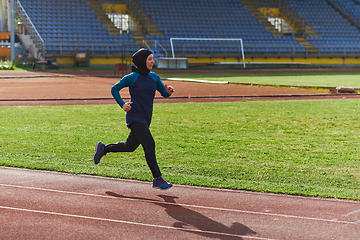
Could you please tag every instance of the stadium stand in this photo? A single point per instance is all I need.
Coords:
(214, 19)
(351, 9)
(59, 29)
(336, 34)
(69, 25)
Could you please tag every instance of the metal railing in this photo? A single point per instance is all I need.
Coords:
(195, 50)
(286, 13)
(295, 50)
(30, 27)
(156, 44)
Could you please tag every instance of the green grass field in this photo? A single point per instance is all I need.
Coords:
(308, 148)
(294, 79)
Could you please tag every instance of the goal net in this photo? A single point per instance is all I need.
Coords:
(233, 45)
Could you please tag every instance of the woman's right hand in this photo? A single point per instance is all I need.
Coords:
(126, 107)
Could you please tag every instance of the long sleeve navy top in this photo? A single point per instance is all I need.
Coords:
(142, 90)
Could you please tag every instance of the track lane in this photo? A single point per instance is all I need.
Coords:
(132, 209)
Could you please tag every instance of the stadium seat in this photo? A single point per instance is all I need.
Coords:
(72, 23)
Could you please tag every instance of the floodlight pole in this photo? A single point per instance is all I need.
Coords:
(12, 33)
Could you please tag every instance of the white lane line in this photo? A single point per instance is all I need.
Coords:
(351, 213)
(128, 222)
(183, 205)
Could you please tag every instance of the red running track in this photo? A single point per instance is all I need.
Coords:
(50, 205)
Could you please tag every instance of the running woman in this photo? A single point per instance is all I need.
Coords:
(142, 84)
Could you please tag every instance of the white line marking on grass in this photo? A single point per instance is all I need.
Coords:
(195, 80)
(181, 204)
(128, 222)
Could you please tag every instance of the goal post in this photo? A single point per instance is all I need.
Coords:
(211, 39)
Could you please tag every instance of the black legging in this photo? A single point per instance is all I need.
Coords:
(140, 134)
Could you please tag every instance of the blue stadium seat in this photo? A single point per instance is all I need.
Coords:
(68, 24)
(72, 24)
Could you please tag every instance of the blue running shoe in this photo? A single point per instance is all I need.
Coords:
(159, 182)
(99, 152)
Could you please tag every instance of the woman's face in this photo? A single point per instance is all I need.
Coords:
(150, 61)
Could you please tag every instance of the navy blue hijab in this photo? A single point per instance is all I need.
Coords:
(139, 59)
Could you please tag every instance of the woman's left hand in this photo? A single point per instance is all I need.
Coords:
(169, 89)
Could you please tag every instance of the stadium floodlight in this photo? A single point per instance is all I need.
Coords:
(211, 39)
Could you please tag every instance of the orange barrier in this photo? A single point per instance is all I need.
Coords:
(5, 53)
(4, 35)
(120, 67)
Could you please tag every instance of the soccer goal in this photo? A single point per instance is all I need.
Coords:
(238, 40)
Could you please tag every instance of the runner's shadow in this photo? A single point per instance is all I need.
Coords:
(189, 219)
